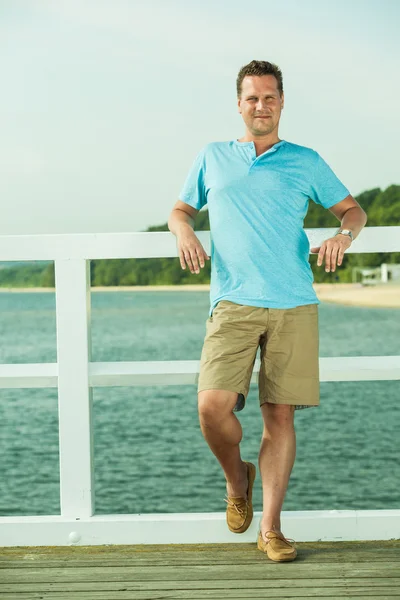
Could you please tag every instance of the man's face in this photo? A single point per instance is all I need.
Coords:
(260, 98)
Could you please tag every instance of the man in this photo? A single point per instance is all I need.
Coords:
(261, 294)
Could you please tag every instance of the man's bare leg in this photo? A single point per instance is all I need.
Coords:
(223, 433)
(276, 459)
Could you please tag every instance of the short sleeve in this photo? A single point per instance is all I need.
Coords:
(193, 191)
(326, 187)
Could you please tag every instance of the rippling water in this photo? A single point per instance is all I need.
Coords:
(150, 455)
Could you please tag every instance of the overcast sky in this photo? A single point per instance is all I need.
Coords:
(105, 104)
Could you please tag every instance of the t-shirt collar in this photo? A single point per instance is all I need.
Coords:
(251, 143)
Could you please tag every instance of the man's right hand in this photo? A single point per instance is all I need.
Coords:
(190, 249)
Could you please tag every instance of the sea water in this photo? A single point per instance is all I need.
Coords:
(149, 452)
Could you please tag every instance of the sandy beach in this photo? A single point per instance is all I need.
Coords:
(355, 294)
(352, 294)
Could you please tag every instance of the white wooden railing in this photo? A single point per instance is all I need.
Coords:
(75, 375)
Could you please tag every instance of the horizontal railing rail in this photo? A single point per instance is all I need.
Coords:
(185, 372)
(160, 244)
(75, 376)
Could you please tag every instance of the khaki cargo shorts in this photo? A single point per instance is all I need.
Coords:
(289, 353)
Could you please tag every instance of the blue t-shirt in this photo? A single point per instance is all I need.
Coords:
(256, 206)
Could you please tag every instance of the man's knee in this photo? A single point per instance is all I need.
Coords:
(215, 405)
(277, 412)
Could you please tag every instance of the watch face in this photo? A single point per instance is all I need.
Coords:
(346, 232)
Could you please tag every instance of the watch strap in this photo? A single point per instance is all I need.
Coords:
(345, 232)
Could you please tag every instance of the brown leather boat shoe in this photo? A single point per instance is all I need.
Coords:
(239, 512)
(278, 548)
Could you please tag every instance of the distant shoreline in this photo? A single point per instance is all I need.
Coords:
(351, 294)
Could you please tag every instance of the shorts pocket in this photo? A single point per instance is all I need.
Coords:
(221, 304)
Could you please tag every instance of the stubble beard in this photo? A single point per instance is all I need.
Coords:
(266, 130)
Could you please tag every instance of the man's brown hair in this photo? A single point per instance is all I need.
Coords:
(259, 67)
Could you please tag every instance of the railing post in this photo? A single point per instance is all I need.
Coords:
(72, 280)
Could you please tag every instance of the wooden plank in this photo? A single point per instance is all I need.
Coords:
(142, 549)
(210, 560)
(218, 572)
(250, 593)
(208, 572)
(345, 583)
(193, 554)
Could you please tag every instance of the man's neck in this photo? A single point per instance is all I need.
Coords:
(261, 144)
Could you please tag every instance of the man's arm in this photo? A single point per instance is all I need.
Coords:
(182, 215)
(350, 214)
(352, 217)
(181, 223)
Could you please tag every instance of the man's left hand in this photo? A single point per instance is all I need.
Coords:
(333, 248)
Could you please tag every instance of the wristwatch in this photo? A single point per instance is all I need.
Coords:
(345, 232)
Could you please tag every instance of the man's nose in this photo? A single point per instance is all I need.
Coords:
(262, 105)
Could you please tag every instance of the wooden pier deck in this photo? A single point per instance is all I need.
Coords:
(334, 570)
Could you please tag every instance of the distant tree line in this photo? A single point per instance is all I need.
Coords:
(381, 206)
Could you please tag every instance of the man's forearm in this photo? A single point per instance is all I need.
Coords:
(179, 219)
(354, 219)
